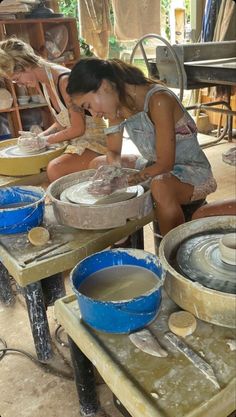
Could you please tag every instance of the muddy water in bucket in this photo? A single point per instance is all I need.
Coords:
(119, 283)
(118, 291)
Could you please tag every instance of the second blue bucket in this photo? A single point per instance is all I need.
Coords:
(21, 208)
(123, 316)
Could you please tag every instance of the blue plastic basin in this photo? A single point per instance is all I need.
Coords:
(118, 316)
(21, 208)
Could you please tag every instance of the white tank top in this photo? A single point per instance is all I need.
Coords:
(63, 116)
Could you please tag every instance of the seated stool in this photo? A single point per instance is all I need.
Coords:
(188, 210)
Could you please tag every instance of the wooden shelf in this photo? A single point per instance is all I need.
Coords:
(33, 31)
(32, 106)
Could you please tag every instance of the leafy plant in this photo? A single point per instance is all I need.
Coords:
(69, 8)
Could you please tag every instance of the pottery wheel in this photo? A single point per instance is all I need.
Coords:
(79, 194)
(198, 258)
(13, 151)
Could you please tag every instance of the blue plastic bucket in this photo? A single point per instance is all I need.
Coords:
(21, 208)
(123, 316)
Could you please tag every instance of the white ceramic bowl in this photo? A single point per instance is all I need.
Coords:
(35, 98)
(6, 103)
(227, 246)
(22, 100)
(6, 99)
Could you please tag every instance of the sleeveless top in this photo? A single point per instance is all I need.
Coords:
(94, 137)
(191, 165)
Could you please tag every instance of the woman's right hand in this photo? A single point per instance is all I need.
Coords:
(29, 142)
(107, 179)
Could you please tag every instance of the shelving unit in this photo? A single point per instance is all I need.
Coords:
(34, 32)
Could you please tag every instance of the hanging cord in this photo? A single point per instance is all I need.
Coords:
(58, 331)
(154, 233)
(43, 365)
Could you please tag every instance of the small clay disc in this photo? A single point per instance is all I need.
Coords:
(182, 323)
(38, 236)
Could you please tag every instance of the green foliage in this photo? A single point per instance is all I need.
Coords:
(69, 7)
(114, 47)
(165, 11)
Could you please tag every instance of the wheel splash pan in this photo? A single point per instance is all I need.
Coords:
(205, 303)
(91, 217)
(28, 164)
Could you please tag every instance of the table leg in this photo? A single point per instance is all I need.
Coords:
(53, 288)
(6, 293)
(85, 381)
(38, 320)
(137, 239)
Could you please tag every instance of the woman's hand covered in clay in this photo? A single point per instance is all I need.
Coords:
(30, 142)
(107, 179)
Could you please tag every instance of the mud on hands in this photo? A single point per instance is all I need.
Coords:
(108, 179)
(30, 142)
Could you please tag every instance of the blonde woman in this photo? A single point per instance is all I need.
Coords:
(85, 135)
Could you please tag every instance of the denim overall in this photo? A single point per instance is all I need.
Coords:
(191, 165)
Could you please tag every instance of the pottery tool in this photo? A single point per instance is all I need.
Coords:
(38, 236)
(182, 323)
(79, 194)
(145, 341)
(48, 250)
(200, 363)
(120, 195)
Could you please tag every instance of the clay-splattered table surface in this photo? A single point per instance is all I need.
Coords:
(149, 386)
(66, 247)
(35, 179)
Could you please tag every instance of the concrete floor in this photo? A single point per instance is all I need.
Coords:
(27, 390)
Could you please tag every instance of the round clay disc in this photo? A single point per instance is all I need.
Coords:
(182, 323)
(38, 236)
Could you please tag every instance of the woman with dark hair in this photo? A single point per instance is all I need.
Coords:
(157, 123)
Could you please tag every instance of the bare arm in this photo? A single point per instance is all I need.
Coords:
(55, 127)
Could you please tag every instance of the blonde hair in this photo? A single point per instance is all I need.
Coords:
(16, 55)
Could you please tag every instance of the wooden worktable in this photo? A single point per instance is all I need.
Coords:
(149, 386)
(67, 246)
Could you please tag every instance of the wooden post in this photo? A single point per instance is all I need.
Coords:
(177, 22)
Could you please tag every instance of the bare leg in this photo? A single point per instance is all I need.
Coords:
(169, 193)
(127, 161)
(68, 163)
